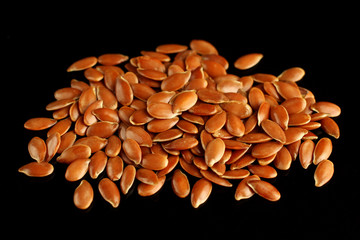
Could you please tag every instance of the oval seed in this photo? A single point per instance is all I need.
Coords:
(200, 192)
(112, 59)
(293, 74)
(52, 145)
(77, 169)
(180, 184)
(323, 173)
(322, 150)
(82, 64)
(74, 152)
(248, 61)
(127, 178)
(329, 108)
(37, 149)
(114, 168)
(263, 150)
(243, 191)
(306, 153)
(109, 192)
(132, 150)
(146, 190)
(35, 169)
(203, 47)
(273, 130)
(264, 189)
(154, 161)
(83, 195)
(97, 164)
(147, 176)
(214, 151)
(330, 127)
(37, 124)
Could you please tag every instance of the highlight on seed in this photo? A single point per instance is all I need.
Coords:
(178, 113)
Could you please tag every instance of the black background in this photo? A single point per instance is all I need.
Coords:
(42, 46)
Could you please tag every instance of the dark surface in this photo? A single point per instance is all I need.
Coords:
(39, 58)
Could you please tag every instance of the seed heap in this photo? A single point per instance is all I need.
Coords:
(176, 112)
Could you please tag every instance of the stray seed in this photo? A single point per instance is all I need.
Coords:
(323, 173)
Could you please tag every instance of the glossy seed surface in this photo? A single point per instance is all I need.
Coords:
(179, 112)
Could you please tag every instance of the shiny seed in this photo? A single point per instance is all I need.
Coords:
(213, 177)
(293, 74)
(102, 129)
(74, 152)
(263, 150)
(123, 91)
(182, 144)
(214, 151)
(243, 191)
(109, 192)
(154, 161)
(97, 164)
(77, 169)
(329, 108)
(294, 134)
(175, 81)
(287, 90)
(216, 122)
(52, 145)
(94, 142)
(37, 149)
(127, 178)
(255, 138)
(203, 47)
(248, 61)
(132, 150)
(82, 64)
(184, 101)
(200, 192)
(330, 127)
(112, 59)
(180, 184)
(280, 115)
(146, 190)
(323, 173)
(37, 124)
(283, 159)
(264, 189)
(83, 195)
(114, 168)
(147, 176)
(171, 48)
(139, 135)
(306, 153)
(322, 150)
(161, 125)
(263, 171)
(35, 169)
(273, 130)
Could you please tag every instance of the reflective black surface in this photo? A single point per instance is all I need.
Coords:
(39, 58)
